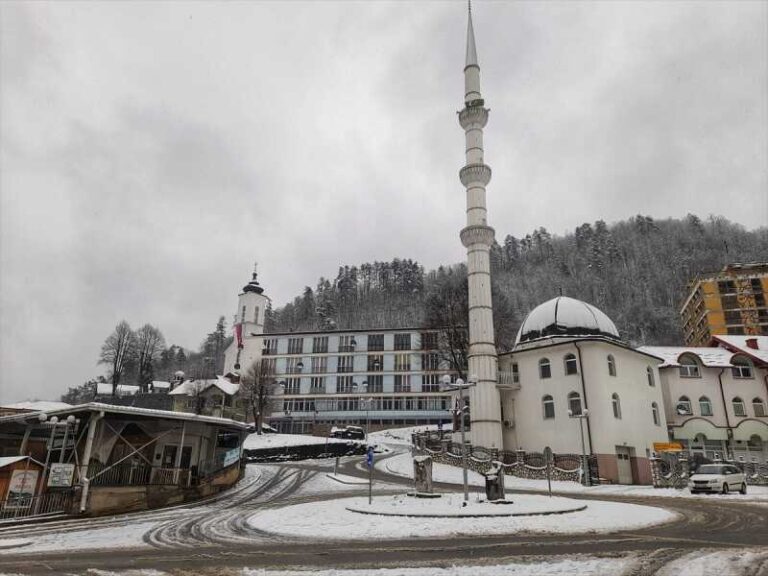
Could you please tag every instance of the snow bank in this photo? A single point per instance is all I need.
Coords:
(332, 521)
(259, 441)
(398, 435)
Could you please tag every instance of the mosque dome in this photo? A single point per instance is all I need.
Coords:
(563, 316)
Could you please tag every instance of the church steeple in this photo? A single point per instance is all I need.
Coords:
(253, 285)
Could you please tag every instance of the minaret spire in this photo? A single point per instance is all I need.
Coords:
(477, 237)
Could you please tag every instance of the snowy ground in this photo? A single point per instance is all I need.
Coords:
(332, 520)
(719, 563)
(259, 441)
(400, 436)
(402, 465)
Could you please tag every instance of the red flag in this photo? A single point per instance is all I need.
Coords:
(239, 335)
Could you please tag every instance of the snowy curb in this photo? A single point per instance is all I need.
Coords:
(14, 543)
(460, 515)
(350, 480)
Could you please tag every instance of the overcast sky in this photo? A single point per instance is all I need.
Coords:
(151, 152)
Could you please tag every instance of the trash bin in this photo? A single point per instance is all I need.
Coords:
(494, 482)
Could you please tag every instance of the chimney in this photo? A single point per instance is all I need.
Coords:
(752, 343)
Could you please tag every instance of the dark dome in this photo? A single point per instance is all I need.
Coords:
(253, 286)
(563, 316)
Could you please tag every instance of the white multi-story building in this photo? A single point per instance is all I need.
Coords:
(568, 357)
(715, 397)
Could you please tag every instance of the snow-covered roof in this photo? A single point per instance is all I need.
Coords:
(710, 357)
(8, 460)
(192, 387)
(160, 384)
(739, 344)
(105, 389)
(36, 405)
(563, 316)
(135, 410)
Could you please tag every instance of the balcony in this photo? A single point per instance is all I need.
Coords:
(508, 380)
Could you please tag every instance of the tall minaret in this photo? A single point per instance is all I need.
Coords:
(477, 237)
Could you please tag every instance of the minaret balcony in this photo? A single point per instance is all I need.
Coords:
(477, 234)
(473, 117)
(475, 174)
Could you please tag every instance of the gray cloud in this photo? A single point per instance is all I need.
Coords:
(151, 151)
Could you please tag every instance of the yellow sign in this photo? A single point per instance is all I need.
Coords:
(667, 447)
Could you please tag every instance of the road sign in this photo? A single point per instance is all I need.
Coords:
(60, 475)
(369, 457)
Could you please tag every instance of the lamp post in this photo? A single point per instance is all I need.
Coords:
(581, 416)
(367, 401)
(460, 386)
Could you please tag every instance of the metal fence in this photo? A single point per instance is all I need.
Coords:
(25, 506)
(137, 474)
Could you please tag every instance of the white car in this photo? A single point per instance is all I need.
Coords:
(721, 478)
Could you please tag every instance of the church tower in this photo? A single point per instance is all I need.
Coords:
(248, 323)
(477, 237)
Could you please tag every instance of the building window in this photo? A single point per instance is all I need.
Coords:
(376, 342)
(344, 384)
(515, 373)
(733, 317)
(295, 345)
(347, 343)
(571, 367)
(649, 375)
(549, 407)
(616, 403)
(429, 340)
(738, 407)
(689, 368)
(317, 385)
(242, 315)
(269, 365)
(705, 406)
(270, 347)
(319, 364)
(684, 406)
(726, 287)
(545, 369)
(375, 362)
(430, 361)
(402, 383)
(741, 368)
(759, 407)
(320, 344)
(256, 315)
(293, 386)
(293, 365)
(574, 403)
(402, 362)
(611, 365)
(430, 382)
(345, 363)
(402, 341)
(655, 412)
(375, 383)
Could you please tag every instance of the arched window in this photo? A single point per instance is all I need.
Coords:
(655, 412)
(689, 368)
(574, 403)
(742, 368)
(700, 439)
(571, 367)
(549, 407)
(545, 369)
(684, 406)
(616, 406)
(611, 365)
(705, 406)
(759, 407)
(738, 407)
(649, 374)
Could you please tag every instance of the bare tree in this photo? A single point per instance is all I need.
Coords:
(447, 310)
(118, 348)
(150, 344)
(257, 386)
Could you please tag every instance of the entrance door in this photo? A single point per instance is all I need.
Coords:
(624, 464)
(186, 456)
(169, 456)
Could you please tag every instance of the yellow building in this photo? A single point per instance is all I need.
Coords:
(732, 301)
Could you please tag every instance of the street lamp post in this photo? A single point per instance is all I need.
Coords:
(581, 416)
(460, 386)
(367, 401)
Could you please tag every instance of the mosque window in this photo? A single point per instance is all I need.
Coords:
(649, 374)
(705, 406)
(571, 366)
(574, 404)
(549, 407)
(738, 407)
(741, 368)
(616, 403)
(689, 368)
(611, 365)
(759, 407)
(655, 413)
(545, 369)
(684, 406)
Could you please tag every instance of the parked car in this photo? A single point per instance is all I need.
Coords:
(349, 432)
(718, 478)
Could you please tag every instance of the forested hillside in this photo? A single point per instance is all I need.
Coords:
(637, 271)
